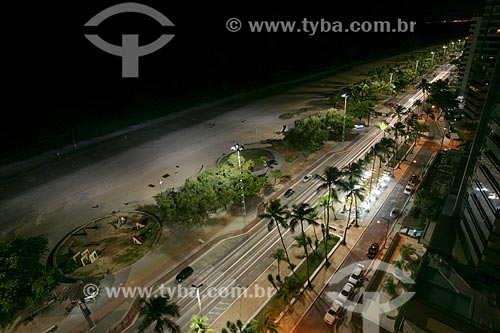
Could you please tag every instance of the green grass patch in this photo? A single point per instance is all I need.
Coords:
(315, 259)
(253, 154)
(275, 304)
(402, 150)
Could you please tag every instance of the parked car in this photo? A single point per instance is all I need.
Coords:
(307, 178)
(414, 179)
(346, 292)
(184, 274)
(333, 313)
(289, 193)
(408, 189)
(373, 250)
(395, 212)
(359, 126)
(357, 273)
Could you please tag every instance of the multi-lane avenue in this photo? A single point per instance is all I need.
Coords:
(239, 261)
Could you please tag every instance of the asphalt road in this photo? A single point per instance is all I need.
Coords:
(375, 232)
(238, 262)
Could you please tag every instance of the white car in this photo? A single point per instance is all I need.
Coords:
(359, 126)
(357, 273)
(346, 292)
(307, 178)
(333, 313)
(408, 189)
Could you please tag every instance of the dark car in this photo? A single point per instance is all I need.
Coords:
(373, 250)
(184, 274)
(414, 179)
(395, 212)
(289, 193)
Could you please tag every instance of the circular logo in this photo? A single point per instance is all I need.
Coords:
(90, 290)
(233, 24)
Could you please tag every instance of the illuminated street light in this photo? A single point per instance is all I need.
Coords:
(198, 294)
(345, 114)
(444, 48)
(160, 182)
(432, 59)
(442, 139)
(238, 148)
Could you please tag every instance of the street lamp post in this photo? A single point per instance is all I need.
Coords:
(432, 59)
(198, 294)
(416, 66)
(444, 48)
(387, 229)
(345, 114)
(442, 139)
(160, 182)
(238, 148)
(390, 77)
(420, 167)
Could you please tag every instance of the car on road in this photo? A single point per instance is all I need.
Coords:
(184, 274)
(359, 126)
(289, 193)
(307, 178)
(356, 275)
(373, 250)
(395, 212)
(346, 292)
(333, 313)
(414, 179)
(408, 189)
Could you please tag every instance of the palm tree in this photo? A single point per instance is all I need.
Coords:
(313, 220)
(355, 193)
(383, 126)
(270, 278)
(377, 151)
(158, 310)
(301, 213)
(399, 110)
(324, 200)
(277, 215)
(331, 177)
(348, 197)
(425, 86)
(264, 324)
(288, 289)
(390, 287)
(399, 130)
(411, 121)
(407, 251)
(279, 255)
(304, 241)
(353, 171)
(387, 145)
(199, 325)
(236, 327)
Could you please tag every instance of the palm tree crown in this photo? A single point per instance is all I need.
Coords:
(159, 309)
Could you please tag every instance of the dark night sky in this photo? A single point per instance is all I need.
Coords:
(58, 81)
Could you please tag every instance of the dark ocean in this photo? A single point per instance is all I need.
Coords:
(61, 88)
